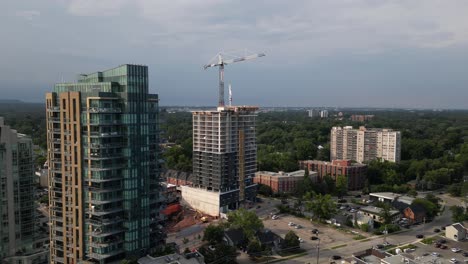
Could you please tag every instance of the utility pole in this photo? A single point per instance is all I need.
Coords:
(318, 247)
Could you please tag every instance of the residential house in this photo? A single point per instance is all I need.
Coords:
(269, 239)
(376, 213)
(456, 232)
(415, 213)
(235, 237)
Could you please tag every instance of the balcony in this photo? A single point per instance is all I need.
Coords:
(99, 233)
(103, 146)
(54, 109)
(105, 134)
(104, 110)
(102, 212)
(105, 221)
(103, 156)
(104, 167)
(105, 201)
(103, 179)
(104, 122)
(98, 256)
(106, 243)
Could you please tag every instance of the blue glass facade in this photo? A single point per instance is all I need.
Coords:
(120, 195)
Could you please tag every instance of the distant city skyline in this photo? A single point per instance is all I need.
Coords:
(395, 54)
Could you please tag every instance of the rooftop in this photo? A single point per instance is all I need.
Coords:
(190, 258)
(299, 173)
(393, 196)
(376, 210)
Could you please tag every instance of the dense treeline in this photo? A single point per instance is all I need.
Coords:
(434, 147)
(434, 144)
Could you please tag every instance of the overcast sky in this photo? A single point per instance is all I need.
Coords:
(411, 53)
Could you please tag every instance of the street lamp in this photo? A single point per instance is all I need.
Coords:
(318, 246)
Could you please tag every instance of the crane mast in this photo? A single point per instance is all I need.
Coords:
(221, 62)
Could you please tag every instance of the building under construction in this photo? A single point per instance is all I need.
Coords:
(224, 159)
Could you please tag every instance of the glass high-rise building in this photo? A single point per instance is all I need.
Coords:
(105, 192)
(20, 241)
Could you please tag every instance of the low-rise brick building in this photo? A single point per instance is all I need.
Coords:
(281, 181)
(355, 173)
(177, 178)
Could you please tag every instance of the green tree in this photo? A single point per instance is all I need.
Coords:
(455, 190)
(254, 246)
(341, 185)
(247, 220)
(430, 207)
(458, 214)
(265, 190)
(386, 213)
(291, 240)
(322, 206)
(213, 234)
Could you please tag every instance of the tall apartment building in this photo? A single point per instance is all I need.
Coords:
(105, 195)
(224, 159)
(20, 241)
(365, 144)
(313, 113)
(324, 114)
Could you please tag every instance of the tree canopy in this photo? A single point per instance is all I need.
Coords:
(248, 221)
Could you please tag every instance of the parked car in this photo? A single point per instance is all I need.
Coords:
(298, 226)
(291, 224)
(465, 254)
(315, 231)
(336, 257)
(314, 238)
(274, 217)
(453, 260)
(300, 240)
(456, 250)
(437, 230)
(437, 245)
(357, 196)
(435, 254)
(443, 247)
(419, 236)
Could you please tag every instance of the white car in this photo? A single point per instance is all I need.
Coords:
(291, 224)
(435, 254)
(456, 250)
(274, 217)
(300, 240)
(453, 260)
(298, 226)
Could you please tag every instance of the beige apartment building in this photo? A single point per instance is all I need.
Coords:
(365, 144)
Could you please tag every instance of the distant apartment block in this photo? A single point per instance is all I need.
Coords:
(362, 118)
(105, 196)
(313, 113)
(283, 182)
(224, 159)
(324, 114)
(20, 239)
(355, 174)
(365, 144)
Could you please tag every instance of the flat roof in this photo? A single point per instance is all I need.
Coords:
(298, 173)
(376, 210)
(393, 196)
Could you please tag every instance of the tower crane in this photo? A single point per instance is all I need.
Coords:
(220, 61)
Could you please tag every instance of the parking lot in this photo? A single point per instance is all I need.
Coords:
(328, 236)
(444, 254)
